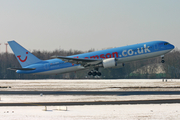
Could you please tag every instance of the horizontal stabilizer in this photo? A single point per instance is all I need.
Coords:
(21, 68)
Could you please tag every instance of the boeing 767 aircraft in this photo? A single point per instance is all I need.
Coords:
(93, 60)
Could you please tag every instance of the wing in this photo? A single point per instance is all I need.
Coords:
(81, 61)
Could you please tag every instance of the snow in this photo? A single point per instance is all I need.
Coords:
(87, 85)
(79, 98)
(89, 112)
(105, 112)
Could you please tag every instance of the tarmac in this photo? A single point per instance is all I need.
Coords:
(101, 88)
(93, 103)
(90, 92)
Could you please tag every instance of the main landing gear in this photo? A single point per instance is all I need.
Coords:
(162, 61)
(94, 73)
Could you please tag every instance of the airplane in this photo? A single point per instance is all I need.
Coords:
(93, 60)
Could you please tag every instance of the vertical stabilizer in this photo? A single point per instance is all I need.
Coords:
(24, 57)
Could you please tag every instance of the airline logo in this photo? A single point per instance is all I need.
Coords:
(135, 51)
(19, 57)
(125, 53)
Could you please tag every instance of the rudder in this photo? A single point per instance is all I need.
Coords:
(23, 56)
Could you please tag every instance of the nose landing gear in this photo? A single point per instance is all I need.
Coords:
(162, 61)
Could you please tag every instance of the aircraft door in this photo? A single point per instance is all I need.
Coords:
(156, 47)
(46, 66)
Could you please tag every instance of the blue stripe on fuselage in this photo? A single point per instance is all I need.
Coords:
(120, 52)
(126, 51)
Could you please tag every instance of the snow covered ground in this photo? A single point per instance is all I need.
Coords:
(89, 85)
(104, 112)
(89, 112)
(80, 98)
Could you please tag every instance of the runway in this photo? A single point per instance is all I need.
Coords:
(90, 92)
(93, 103)
(90, 99)
(101, 93)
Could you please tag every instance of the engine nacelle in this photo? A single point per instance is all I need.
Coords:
(110, 62)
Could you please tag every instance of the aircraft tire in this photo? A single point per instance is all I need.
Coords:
(94, 73)
(90, 73)
(99, 74)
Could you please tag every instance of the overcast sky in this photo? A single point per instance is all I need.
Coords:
(85, 24)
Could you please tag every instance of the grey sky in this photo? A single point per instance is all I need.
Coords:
(86, 24)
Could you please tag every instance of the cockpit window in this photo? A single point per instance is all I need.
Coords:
(166, 43)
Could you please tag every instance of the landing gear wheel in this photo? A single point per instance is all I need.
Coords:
(99, 74)
(94, 73)
(90, 73)
(162, 61)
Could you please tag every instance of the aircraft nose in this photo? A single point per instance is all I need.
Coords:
(172, 46)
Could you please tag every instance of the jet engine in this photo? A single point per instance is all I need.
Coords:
(110, 62)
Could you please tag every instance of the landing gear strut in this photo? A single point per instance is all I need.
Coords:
(94, 72)
(162, 61)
